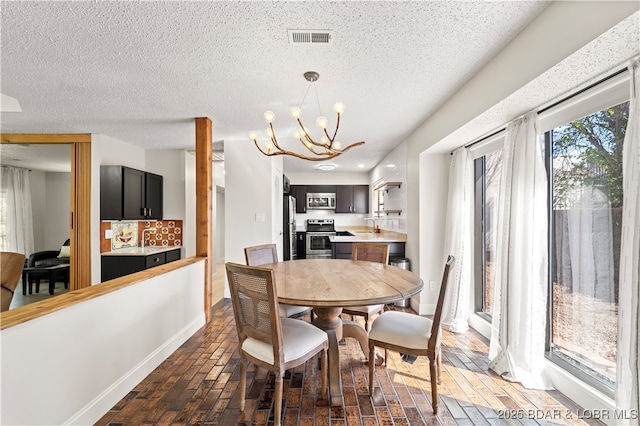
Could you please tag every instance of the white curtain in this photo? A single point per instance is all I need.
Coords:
(15, 211)
(458, 240)
(628, 365)
(517, 345)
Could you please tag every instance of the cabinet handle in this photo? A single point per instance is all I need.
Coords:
(150, 212)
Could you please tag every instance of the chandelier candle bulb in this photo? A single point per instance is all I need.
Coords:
(295, 112)
(321, 122)
(269, 116)
(338, 107)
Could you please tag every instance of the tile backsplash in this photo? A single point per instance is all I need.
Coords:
(128, 233)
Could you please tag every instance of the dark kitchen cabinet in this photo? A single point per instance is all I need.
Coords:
(114, 266)
(300, 193)
(153, 196)
(301, 245)
(127, 193)
(322, 189)
(352, 199)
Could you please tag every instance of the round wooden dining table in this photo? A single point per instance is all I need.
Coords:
(328, 285)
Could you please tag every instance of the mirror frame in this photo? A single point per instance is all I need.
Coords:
(80, 220)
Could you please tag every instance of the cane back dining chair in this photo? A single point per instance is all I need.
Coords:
(268, 253)
(413, 335)
(372, 253)
(11, 265)
(265, 338)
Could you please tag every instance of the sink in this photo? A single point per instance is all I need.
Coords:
(344, 234)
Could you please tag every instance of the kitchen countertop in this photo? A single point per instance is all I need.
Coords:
(360, 236)
(139, 251)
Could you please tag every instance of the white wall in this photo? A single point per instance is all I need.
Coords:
(249, 199)
(188, 227)
(434, 180)
(392, 168)
(73, 365)
(58, 209)
(170, 164)
(219, 210)
(51, 207)
(38, 209)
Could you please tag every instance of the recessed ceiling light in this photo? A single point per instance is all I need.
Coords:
(360, 166)
(325, 167)
(391, 165)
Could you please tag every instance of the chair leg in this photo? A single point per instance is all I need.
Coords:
(243, 382)
(277, 405)
(366, 323)
(434, 384)
(439, 359)
(325, 374)
(372, 362)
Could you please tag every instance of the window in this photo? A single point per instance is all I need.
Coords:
(488, 168)
(584, 163)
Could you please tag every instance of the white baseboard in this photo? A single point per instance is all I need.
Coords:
(98, 407)
(423, 308)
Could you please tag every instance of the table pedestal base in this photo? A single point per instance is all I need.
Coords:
(328, 319)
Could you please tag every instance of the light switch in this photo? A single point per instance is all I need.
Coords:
(432, 286)
(260, 217)
(108, 234)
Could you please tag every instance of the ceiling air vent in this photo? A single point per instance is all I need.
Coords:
(310, 36)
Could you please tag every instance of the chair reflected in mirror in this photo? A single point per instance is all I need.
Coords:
(11, 265)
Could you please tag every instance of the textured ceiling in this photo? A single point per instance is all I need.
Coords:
(141, 71)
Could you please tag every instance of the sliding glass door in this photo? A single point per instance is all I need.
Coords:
(584, 161)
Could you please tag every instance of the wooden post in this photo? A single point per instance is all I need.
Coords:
(204, 184)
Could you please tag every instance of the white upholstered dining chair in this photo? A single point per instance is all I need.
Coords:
(265, 254)
(265, 338)
(413, 335)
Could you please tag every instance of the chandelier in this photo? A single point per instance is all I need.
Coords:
(327, 147)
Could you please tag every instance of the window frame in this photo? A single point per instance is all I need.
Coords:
(478, 153)
(604, 94)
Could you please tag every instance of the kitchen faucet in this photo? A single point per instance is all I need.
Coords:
(373, 223)
(153, 231)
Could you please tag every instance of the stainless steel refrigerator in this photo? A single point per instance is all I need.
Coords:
(289, 228)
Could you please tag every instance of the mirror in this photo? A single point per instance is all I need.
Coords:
(49, 175)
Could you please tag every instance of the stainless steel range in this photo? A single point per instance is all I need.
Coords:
(318, 233)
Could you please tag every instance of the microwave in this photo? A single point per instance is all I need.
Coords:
(321, 201)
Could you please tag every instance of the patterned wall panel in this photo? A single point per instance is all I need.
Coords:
(165, 233)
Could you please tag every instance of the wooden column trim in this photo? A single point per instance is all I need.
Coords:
(204, 203)
(80, 272)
